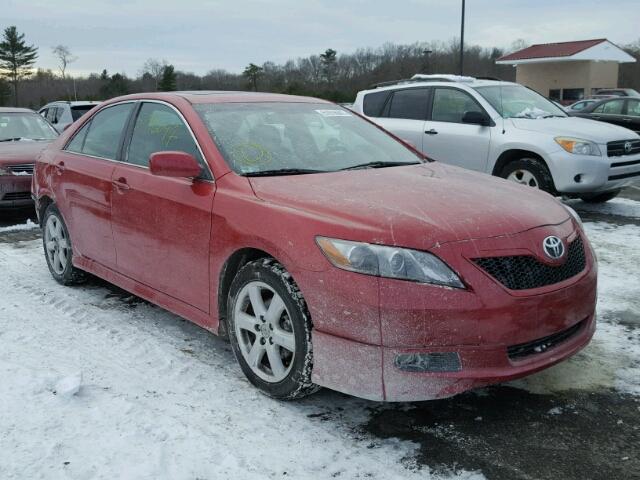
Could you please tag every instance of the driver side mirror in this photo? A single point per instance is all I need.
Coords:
(174, 164)
(476, 118)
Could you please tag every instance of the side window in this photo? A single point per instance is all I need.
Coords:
(633, 108)
(159, 128)
(614, 107)
(373, 102)
(51, 114)
(105, 131)
(410, 104)
(44, 112)
(450, 105)
(75, 145)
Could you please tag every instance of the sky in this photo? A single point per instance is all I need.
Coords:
(198, 36)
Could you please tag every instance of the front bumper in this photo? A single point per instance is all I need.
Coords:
(590, 174)
(360, 330)
(15, 191)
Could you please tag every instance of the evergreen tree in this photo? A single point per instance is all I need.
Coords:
(168, 81)
(253, 72)
(328, 59)
(16, 58)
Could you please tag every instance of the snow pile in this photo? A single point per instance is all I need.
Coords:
(29, 225)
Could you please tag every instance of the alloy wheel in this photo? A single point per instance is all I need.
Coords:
(524, 177)
(264, 331)
(56, 244)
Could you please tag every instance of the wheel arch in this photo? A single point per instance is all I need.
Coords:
(43, 203)
(512, 154)
(229, 269)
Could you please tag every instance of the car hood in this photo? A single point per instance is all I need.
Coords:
(23, 151)
(584, 128)
(413, 206)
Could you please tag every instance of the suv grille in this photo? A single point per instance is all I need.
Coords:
(23, 168)
(522, 272)
(543, 344)
(12, 196)
(616, 149)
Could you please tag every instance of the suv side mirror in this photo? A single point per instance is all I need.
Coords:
(174, 164)
(476, 118)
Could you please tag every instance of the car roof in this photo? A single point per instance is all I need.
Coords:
(223, 96)
(444, 82)
(15, 110)
(74, 103)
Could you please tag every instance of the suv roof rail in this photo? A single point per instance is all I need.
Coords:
(497, 79)
(446, 77)
(410, 80)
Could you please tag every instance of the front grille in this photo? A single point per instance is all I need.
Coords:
(522, 272)
(12, 196)
(22, 168)
(516, 352)
(617, 149)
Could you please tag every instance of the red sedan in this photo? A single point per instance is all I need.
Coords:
(23, 135)
(329, 252)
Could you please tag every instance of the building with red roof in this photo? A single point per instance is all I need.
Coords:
(568, 71)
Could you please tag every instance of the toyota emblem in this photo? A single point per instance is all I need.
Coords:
(627, 147)
(553, 247)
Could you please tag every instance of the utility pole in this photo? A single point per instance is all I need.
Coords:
(462, 41)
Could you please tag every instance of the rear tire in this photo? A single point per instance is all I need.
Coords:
(530, 172)
(270, 330)
(58, 250)
(600, 197)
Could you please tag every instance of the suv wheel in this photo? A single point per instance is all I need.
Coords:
(599, 197)
(530, 172)
(270, 330)
(58, 249)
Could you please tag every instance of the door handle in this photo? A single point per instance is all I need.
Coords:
(121, 184)
(431, 132)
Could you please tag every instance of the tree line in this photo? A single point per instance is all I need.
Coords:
(329, 75)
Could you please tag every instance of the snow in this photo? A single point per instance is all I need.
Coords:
(97, 384)
(618, 206)
(29, 225)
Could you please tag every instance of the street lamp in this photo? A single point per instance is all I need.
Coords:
(425, 61)
(462, 41)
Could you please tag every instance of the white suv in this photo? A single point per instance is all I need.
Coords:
(508, 130)
(62, 114)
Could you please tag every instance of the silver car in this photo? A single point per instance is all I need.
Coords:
(508, 130)
(62, 114)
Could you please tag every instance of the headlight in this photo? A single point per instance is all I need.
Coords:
(389, 262)
(574, 214)
(5, 171)
(578, 146)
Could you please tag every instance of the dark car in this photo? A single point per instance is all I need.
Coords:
(623, 111)
(618, 92)
(23, 135)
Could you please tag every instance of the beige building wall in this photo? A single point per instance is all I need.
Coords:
(543, 77)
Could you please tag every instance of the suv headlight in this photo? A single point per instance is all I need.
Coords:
(388, 262)
(578, 146)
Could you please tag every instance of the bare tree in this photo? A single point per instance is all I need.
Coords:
(64, 57)
(155, 68)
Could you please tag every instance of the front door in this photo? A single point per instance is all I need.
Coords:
(449, 140)
(162, 225)
(404, 115)
(83, 171)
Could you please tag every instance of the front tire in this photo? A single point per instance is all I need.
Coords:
(530, 172)
(58, 250)
(600, 197)
(270, 330)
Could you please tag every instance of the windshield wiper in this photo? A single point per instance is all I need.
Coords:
(553, 116)
(282, 171)
(14, 139)
(379, 165)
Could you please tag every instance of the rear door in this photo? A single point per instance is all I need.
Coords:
(162, 225)
(404, 114)
(610, 112)
(82, 172)
(449, 140)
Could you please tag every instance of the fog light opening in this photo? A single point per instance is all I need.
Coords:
(578, 178)
(428, 362)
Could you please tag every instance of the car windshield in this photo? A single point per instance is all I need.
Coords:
(24, 126)
(516, 101)
(289, 138)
